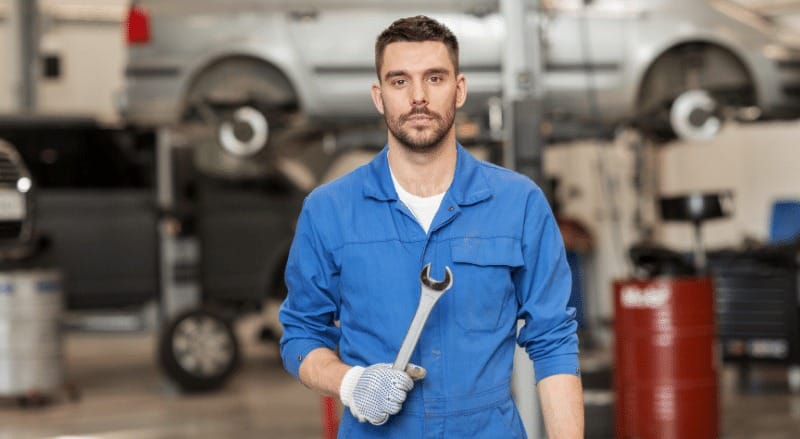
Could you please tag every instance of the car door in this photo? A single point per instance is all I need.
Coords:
(335, 39)
(585, 48)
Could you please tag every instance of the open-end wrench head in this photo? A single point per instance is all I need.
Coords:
(436, 285)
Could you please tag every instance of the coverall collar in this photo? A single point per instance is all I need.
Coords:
(469, 185)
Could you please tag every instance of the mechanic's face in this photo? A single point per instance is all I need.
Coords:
(418, 94)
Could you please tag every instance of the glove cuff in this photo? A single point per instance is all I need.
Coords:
(348, 384)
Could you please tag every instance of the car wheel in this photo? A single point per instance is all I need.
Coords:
(689, 89)
(239, 116)
(198, 351)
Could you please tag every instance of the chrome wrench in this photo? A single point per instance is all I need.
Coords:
(430, 293)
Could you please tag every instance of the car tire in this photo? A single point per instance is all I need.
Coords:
(239, 115)
(198, 351)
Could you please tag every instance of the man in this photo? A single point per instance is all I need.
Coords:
(362, 240)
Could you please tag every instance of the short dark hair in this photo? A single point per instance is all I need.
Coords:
(415, 29)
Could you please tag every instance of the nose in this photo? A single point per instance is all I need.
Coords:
(419, 94)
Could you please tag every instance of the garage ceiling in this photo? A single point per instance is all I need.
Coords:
(773, 7)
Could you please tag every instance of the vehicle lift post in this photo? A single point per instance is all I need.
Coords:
(179, 246)
(24, 46)
(522, 102)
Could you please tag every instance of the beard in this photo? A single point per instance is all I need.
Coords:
(421, 140)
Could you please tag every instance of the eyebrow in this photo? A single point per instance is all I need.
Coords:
(395, 73)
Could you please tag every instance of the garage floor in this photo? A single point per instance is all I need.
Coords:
(123, 396)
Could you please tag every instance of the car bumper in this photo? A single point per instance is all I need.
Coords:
(152, 96)
(788, 89)
(779, 95)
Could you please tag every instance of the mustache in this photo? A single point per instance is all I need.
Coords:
(418, 111)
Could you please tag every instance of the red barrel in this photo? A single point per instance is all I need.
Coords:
(665, 377)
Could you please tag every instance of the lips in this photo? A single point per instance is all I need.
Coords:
(419, 117)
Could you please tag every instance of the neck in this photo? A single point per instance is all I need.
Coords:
(424, 174)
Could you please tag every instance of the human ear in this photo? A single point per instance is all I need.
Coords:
(461, 90)
(377, 97)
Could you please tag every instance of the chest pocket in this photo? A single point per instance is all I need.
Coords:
(483, 289)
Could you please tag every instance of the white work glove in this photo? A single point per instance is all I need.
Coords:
(378, 391)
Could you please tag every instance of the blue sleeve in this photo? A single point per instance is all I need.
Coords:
(543, 288)
(311, 307)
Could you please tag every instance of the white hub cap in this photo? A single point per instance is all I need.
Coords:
(249, 145)
(202, 347)
(693, 116)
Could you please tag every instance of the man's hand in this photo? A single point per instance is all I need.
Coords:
(378, 391)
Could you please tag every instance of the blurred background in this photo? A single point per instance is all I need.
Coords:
(154, 156)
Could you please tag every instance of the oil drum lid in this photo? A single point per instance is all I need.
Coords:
(36, 293)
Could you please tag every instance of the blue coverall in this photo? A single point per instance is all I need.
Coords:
(356, 258)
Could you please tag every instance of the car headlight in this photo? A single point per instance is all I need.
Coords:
(24, 184)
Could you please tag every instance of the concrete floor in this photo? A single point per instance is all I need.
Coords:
(122, 395)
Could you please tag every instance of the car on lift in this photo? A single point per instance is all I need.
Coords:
(95, 190)
(254, 70)
(16, 206)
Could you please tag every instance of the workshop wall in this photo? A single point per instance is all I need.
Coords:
(7, 75)
(596, 188)
(760, 163)
(82, 58)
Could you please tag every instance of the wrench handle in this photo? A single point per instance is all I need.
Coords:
(427, 300)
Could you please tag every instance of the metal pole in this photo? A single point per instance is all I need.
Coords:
(522, 88)
(24, 46)
(522, 99)
(179, 248)
(523, 387)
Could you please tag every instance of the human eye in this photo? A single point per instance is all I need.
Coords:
(398, 82)
(435, 79)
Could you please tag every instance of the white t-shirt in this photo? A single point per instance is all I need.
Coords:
(423, 208)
